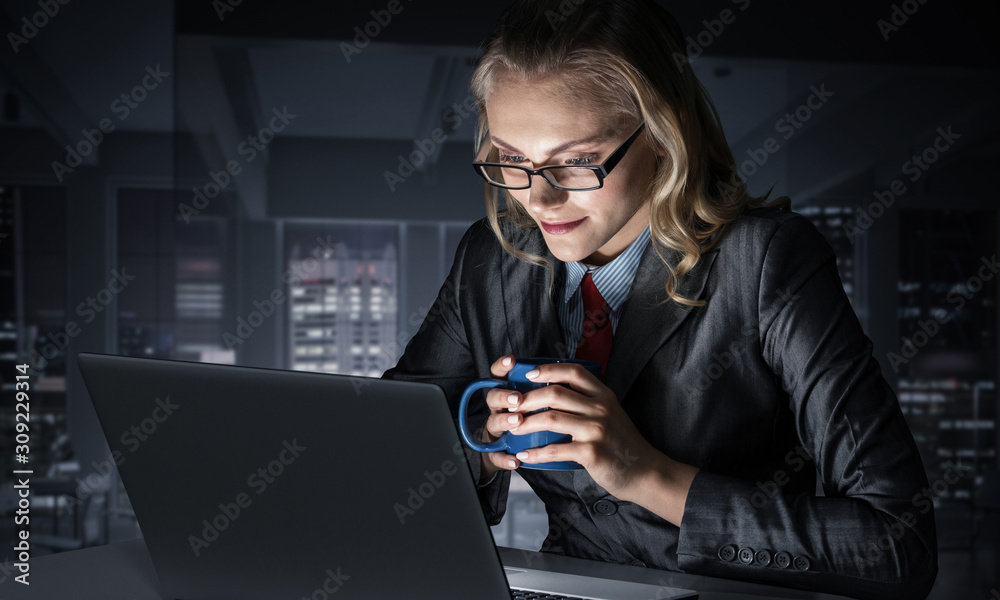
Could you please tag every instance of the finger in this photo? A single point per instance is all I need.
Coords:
(502, 400)
(579, 427)
(570, 451)
(558, 397)
(500, 423)
(502, 365)
(503, 460)
(571, 374)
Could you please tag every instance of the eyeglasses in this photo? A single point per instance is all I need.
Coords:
(572, 178)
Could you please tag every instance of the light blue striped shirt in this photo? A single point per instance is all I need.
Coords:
(613, 281)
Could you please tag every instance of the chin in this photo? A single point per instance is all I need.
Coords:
(568, 255)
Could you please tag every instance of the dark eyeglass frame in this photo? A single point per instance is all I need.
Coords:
(602, 170)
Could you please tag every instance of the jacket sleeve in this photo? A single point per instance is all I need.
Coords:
(440, 353)
(872, 533)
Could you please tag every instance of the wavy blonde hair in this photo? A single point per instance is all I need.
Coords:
(628, 59)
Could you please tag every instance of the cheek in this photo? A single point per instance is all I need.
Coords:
(609, 201)
(631, 195)
(519, 196)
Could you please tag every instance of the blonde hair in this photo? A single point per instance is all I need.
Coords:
(630, 55)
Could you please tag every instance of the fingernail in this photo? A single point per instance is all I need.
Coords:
(522, 455)
(511, 463)
(531, 374)
(512, 398)
(506, 361)
(512, 419)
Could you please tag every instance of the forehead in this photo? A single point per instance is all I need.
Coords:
(548, 108)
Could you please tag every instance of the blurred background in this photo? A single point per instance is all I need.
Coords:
(284, 185)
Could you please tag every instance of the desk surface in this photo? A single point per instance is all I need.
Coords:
(124, 571)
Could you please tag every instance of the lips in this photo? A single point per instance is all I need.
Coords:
(561, 228)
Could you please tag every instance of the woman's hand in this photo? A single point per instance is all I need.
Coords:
(502, 404)
(605, 441)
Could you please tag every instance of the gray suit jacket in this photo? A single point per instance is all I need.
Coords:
(768, 385)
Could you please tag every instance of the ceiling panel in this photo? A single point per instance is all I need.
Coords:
(376, 96)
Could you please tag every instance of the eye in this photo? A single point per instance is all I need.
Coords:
(581, 160)
(511, 159)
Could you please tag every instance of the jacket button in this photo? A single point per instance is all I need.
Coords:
(763, 558)
(605, 507)
(782, 560)
(746, 555)
(801, 563)
(727, 553)
(638, 563)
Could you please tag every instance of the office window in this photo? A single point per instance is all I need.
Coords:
(34, 319)
(829, 220)
(343, 286)
(946, 358)
(184, 271)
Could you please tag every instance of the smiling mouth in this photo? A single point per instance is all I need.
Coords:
(561, 228)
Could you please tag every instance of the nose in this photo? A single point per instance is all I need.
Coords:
(542, 197)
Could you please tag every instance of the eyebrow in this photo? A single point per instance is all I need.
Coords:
(599, 137)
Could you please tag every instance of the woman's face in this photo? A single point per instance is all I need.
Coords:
(540, 123)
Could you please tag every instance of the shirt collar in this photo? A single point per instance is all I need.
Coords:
(614, 279)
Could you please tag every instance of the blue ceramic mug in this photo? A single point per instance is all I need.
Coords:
(517, 381)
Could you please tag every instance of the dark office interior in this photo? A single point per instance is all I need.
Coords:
(250, 183)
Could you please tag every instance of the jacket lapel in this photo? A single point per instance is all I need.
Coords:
(533, 326)
(648, 318)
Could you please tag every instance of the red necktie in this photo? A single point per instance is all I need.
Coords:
(595, 341)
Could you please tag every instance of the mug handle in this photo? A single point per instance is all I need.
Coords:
(463, 427)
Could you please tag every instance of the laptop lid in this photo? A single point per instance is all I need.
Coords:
(258, 483)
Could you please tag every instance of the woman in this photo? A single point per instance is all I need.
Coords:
(737, 371)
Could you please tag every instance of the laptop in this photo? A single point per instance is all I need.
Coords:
(255, 483)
